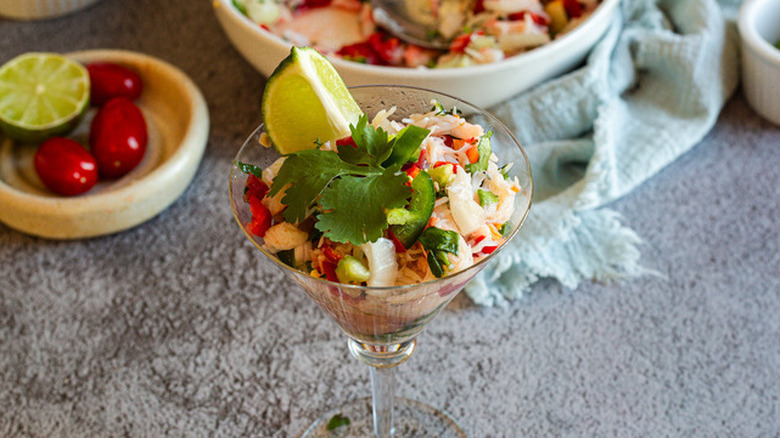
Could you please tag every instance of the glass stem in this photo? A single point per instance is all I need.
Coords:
(382, 388)
(383, 359)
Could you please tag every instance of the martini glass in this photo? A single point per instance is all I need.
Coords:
(382, 323)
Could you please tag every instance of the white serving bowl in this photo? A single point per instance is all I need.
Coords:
(178, 124)
(41, 9)
(484, 85)
(759, 28)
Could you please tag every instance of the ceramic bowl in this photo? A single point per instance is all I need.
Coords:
(759, 28)
(484, 85)
(178, 123)
(41, 9)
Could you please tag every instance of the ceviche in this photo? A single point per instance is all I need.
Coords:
(394, 203)
(491, 30)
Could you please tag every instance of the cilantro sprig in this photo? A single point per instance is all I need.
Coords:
(438, 243)
(351, 189)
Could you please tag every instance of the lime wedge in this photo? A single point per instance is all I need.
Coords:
(42, 95)
(305, 101)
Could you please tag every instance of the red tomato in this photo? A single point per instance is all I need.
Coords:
(459, 44)
(118, 137)
(65, 167)
(360, 52)
(109, 80)
(389, 49)
(307, 5)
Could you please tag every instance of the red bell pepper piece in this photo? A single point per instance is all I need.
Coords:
(399, 247)
(412, 171)
(261, 217)
(489, 249)
(538, 19)
(573, 8)
(421, 160)
(255, 188)
(329, 269)
(331, 255)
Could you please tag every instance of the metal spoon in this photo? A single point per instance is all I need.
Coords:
(413, 20)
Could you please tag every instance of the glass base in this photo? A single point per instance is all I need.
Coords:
(410, 419)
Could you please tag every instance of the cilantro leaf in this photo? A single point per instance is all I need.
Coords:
(486, 197)
(436, 239)
(372, 146)
(355, 206)
(309, 172)
(352, 187)
(438, 243)
(441, 111)
(354, 155)
(405, 144)
(250, 169)
(435, 264)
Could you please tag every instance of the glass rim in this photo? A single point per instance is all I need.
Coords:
(286, 268)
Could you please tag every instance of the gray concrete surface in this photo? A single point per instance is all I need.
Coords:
(175, 329)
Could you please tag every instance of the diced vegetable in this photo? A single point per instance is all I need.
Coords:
(408, 224)
(484, 150)
(261, 217)
(443, 173)
(287, 257)
(405, 144)
(558, 17)
(351, 271)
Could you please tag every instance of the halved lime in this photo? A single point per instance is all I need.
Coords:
(305, 101)
(42, 95)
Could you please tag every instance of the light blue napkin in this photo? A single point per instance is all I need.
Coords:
(649, 91)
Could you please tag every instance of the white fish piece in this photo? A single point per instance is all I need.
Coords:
(381, 262)
(466, 212)
(284, 236)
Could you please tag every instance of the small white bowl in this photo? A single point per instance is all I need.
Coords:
(484, 85)
(759, 28)
(178, 123)
(41, 9)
